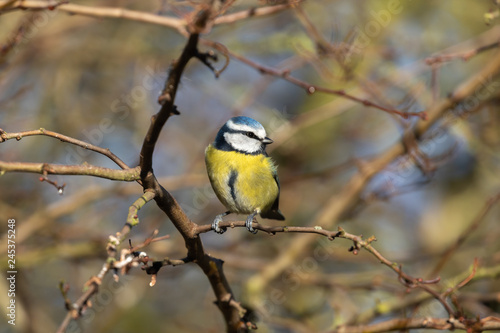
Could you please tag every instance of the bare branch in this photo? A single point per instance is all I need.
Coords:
(4, 136)
(408, 281)
(168, 108)
(253, 12)
(60, 188)
(358, 241)
(465, 56)
(485, 324)
(77, 308)
(132, 218)
(108, 12)
(178, 24)
(128, 259)
(464, 281)
(78, 170)
(308, 87)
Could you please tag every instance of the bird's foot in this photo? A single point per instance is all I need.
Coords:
(215, 224)
(248, 223)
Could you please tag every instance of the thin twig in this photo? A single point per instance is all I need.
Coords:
(358, 241)
(407, 280)
(129, 259)
(253, 12)
(4, 136)
(108, 12)
(77, 170)
(60, 188)
(132, 220)
(132, 217)
(272, 230)
(464, 281)
(485, 324)
(465, 56)
(308, 87)
(92, 287)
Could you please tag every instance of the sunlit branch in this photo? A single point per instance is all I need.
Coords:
(465, 56)
(107, 12)
(4, 136)
(178, 24)
(308, 87)
(253, 12)
(78, 170)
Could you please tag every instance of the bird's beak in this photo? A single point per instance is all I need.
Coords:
(267, 141)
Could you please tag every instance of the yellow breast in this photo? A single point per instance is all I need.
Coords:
(243, 183)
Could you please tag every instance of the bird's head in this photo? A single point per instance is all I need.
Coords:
(242, 134)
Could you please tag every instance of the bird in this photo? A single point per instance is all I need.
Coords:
(242, 175)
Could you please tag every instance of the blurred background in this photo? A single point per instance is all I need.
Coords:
(98, 80)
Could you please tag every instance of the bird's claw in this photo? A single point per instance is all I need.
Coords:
(248, 224)
(215, 225)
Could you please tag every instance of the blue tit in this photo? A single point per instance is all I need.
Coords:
(243, 176)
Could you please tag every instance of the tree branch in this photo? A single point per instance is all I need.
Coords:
(253, 12)
(331, 235)
(78, 170)
(75, 310)
(212, 267)
(485, 324)
(465, 56)
(407, 280)
(128, 259)
(178, 24)
(108, 12)
(308, 87)
(4, 136)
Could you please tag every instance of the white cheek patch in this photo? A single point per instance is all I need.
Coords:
(241, 142)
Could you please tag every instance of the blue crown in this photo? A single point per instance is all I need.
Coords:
(242, 120)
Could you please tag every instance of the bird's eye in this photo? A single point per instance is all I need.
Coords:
(251, 135)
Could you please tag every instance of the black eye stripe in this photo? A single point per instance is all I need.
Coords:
(251, 135)
(248, 134)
